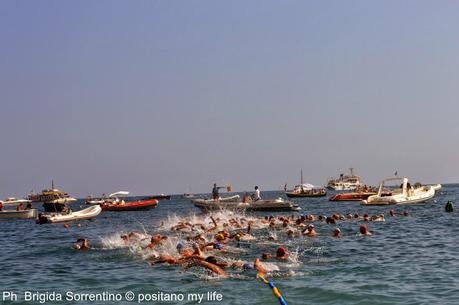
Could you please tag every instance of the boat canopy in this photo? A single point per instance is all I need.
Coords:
(118, 194)
(305, 186)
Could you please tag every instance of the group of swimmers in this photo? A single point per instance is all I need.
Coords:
(214, 243)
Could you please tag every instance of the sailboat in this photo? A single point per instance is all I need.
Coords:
(306, 190)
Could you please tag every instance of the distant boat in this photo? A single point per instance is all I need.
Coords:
(234, 198)
(344, 182)
(402, 194)
(14, 201)
(159, 197)
(188, 195)
(106, 199)
(306, 190)
(23, 214)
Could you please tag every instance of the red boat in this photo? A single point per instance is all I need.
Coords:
(130, 206)
(355, 196)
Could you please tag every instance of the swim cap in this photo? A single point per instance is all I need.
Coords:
(219, 236)
(248, 266)
(281, 251)
(217, 246)
(311, 226)
(237, 237)
(212, 260)
(180, 246)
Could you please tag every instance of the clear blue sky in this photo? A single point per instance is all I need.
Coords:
(170, 96)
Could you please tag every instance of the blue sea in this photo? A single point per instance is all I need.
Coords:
(407, 260)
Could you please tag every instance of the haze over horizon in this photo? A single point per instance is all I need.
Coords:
(171, 96)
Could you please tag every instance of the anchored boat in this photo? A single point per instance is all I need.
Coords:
(259, 205)
(306, 190)
(402, 194)
(84, 214)
(23, 214)
(130, 206)
(344, 182)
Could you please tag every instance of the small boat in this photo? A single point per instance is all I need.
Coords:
(188, 195)
(306, 190)
(23, 214)
(352, 196)
(130, 206)
(344, 182)
(14, 201)
(104, 199)
(402, 194)
(84, 214)
(235, 198)
(159, 197)
(259, 205)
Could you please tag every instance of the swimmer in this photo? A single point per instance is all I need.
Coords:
(281, 253)
(392, 213)
(337, 233)
(83, 246)
(156, 240)
(364, 230)
(310, 231)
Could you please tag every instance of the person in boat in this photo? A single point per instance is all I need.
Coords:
(29, 206)
(20, 207)
(364, 230)
(1, 206)
(256, 194)
(81, 244)
(215, 192)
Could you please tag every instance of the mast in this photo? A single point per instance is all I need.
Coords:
(52, 184)
(352, 171)
(301, 176)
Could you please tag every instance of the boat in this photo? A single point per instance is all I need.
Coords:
(344, 182)
(352, 196)
(48, 195)
(23, 214)
(84, 214)
(58, 204)
(188, 195)
(306, 190)
(235, 198)
(401, 194)
(14, 201)
(278, 204)
(159, 197)
(106, 199)
(130, 206)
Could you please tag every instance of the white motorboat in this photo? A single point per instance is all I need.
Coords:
(260, 205)
(84, 214)
(23, 214)
(114, 197)
(234, 198)
(401, 194)
(344, 182)
(15, 201)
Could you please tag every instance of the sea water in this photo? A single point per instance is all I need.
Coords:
(407, 260)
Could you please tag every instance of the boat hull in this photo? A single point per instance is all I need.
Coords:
(25, 214)
(260, 205)
(351, 196)
(418, 197)
(301, 195)
(84, 214)
(131, 206)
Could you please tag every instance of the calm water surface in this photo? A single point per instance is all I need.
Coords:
(408, 260)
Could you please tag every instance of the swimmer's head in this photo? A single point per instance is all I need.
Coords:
(180, 247)
(281, 251)
(212, 260)
(337, 232)
(217, 246)
(363, 229)
(266, 256)
(248, 266)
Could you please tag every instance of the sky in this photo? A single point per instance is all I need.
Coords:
(172, 96)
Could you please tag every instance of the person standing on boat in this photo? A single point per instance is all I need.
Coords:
(256, 195)
(215, 194)
(1, 206)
